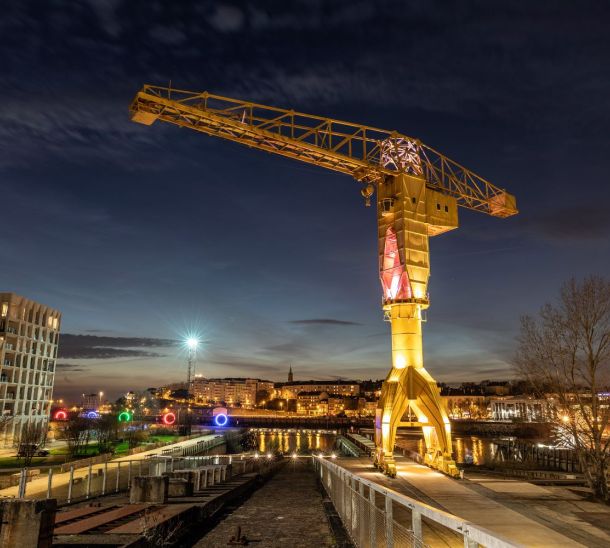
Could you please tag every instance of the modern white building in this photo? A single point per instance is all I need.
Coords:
(29, 334)
(230, 391)
(520, 409)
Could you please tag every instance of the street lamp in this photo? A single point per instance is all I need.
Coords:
(191, 344)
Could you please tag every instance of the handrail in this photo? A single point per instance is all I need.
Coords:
(471, 532)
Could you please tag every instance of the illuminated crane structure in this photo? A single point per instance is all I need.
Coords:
(418, 193)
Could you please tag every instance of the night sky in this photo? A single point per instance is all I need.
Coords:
(142, 234)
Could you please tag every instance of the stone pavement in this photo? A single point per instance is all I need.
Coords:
(287, 511)
(482, 507)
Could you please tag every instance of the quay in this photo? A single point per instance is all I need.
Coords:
(517, 512)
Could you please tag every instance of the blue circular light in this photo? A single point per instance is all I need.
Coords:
(221, 419)
(92, 415)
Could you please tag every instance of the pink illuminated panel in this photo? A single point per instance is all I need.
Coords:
(394, 278)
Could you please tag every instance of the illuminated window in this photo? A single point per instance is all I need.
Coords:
(4, 309)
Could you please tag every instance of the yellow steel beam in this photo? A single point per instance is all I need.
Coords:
(366, 153)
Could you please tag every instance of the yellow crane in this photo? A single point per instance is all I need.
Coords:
(418, 191)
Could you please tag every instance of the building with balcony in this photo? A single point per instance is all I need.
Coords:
(29, 334)
(231, 391)
(313, 403)
(290, 390)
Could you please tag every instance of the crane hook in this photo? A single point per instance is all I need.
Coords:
(367, 192)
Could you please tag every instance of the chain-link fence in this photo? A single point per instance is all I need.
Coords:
(377, 517)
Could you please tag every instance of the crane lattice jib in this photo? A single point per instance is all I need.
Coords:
(366, 153)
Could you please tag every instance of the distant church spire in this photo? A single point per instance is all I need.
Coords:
(290, 375)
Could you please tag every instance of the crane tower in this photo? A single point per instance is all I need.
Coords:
(418, 191)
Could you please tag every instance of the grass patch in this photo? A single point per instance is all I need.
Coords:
(14, 462)
(163, 438)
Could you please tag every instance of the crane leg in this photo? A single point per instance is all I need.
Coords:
(409, 385)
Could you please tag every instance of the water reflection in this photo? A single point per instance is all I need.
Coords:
(295, 441)
(466, 449)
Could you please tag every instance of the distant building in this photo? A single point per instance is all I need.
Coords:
(91, 402)
(466, 406)
(290, 375)
(371, 389)
(369, 408)
(520, 409)
(231, 391)
(496, 388)
(312, 403)
(29, 334)
(290, 390)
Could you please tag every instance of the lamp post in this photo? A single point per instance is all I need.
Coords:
(191, 344)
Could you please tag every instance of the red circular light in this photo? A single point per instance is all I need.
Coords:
(61, 415)
(169, 419)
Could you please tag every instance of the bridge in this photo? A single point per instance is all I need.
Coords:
(297, 421)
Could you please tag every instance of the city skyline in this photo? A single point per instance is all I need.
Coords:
(150, 235)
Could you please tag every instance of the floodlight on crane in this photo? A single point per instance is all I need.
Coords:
(418, 191)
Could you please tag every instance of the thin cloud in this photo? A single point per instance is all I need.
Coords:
(71, 367)
(571, 223)
(323, 321)
(95, 347)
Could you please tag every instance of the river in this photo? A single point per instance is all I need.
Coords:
(467, 449)
(295, 441)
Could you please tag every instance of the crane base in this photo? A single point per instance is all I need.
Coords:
(442, 463)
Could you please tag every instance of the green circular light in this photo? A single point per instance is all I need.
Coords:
(124, 416)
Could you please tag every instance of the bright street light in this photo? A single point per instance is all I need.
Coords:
(192, 343)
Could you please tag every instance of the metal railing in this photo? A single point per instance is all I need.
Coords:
(375, 516)
(94, 480)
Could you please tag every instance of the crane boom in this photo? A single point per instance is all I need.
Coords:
(366, 153)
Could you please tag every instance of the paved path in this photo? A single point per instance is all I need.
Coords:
(38, 488)
(458, 498)
(286, 512)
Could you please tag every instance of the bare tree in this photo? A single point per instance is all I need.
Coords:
(106, 429)
(565, 353)
(5, 421)
(30, 437)
(77, 433)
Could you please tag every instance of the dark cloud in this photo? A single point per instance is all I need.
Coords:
(227, 18)
(237, 50)
(578, 222)
(92, 346)
(70, 367)
(323, 321)
(292, 349)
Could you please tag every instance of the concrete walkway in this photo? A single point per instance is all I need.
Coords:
(456, 497)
